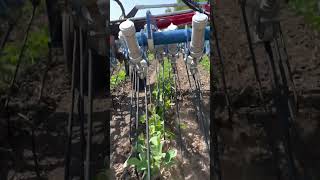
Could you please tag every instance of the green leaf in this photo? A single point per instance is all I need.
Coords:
(170, 155)
(183, 126)
(133, 161)
(155, 140)
(143, 165)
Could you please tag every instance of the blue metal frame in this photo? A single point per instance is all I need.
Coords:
(169, 37)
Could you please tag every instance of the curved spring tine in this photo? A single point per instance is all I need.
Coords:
(253, 56)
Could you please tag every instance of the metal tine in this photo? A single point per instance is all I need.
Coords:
(282, 111)
(132, 77)
(19, 61)
(287, 62)
(71, 112)
(147, 130)
(163, 100)
(284, 80)
(253, 56)
(81, 105)
(89, 121)
(222, 70)
(214, 145)
(137, 105)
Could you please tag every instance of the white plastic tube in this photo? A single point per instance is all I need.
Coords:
(129, 33)
(199, 22)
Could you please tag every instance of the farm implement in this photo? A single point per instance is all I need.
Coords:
(93, 45)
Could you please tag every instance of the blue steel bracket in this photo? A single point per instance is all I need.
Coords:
(149, 31)
(169, 37)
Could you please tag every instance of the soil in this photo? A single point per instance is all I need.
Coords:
(243, 147)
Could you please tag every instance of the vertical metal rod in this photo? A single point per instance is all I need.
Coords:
(131, 102)
(289, 68)
(188, 75)
(283, 113)
(90, 105)
(284, 81)
(214, 146)
(6, 106)
(150, 93)
(147, 130)
(81, 105)
(34, 150)
(71, 113)
(6, 36)
(178, 120)
(137, 105)
(158, 82)
(221, 61)
(201, 112)
(253, 56)
(163, 101)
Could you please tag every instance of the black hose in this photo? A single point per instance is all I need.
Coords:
(121, 7)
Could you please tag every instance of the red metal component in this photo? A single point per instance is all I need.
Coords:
(162, 21)
(181, 19)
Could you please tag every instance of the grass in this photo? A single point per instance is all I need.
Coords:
(309, 9)
(36, 48)
(205, 63)
(117, 78)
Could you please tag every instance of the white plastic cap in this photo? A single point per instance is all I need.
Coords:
(171, 27)
(127, 28)
(199, 20)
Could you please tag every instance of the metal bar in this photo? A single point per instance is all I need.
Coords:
(81, 105)
(159, 15)
(137, 105)
(289, 68)
(70, 118)
(131, 102)
(90, 105)
(17, 70)
(147, 130)
(165, 5)
(215, 166)
(163, 100)
(281, 103)
(6, 36)
(221, 61)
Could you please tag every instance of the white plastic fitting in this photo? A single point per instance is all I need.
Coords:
(199, 22)
(172, 48)
(143, 68)
(129, 32)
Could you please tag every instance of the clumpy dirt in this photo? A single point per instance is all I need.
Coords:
(244, 152)
(194, 163)
(244, 148)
